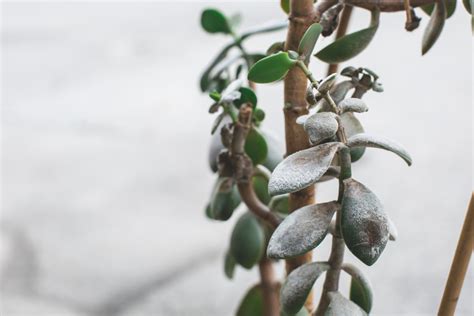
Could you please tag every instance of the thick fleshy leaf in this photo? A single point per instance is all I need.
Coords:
(434, 27)
(350, 45)
(352, 126)
(252, 303)
(364, 224)
(260, 186)
(327, 83)
(339, 305)
(271, 68)
(321, 126)
(246, 96)
(338, 92)
(217, 122)
(309, 39)
(366, 140)
(214, 21)
(256, 146)
(298, 284)
(302, 168)
(468, 5)
(361, 290)
(225, 199)
(450, 8)
(353, 105)
(301, 231)
(247, 244)
(285, 6)
(229, 265)
(280, 204)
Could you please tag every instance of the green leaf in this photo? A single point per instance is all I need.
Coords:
(229, 265)
(361, 290)
(285, 6)
(298, 284)
(350, 45)
(259, 114)
(468, 5)
(252, 303)
(280, 204)
(256, 146)
(301, 231)
(450, 8)
(434, 27)
(303, 168)
(205, 81)
(216, 96)
(225, 199)
(247, 242)
(260, 185)
(364, 224)
(217, 122)
(246, 96)
(271, 68)
(214, 21)
(309, 39)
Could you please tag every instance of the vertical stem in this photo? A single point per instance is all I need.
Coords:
(459, 265)
(341, 31)
(270, 293)
(301, 17)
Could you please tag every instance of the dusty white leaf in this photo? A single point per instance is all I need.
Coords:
(366, 140)
(339, 305)
(302, 230)
(321, 126)
(327, 83)
(361, 290)
(302, 168)
(353, 105)
(392, 229)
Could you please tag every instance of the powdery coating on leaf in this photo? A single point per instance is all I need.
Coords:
(359, 277)
(302, 168)
(321, 126)
(366, 140)
(338, 93)
(298, 284)
(327, 83)
(301, 231)
(364, 223)
(353, 105)
(392, 229)
(339, 305)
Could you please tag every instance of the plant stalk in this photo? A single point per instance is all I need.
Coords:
(301, 17)
(271, 306)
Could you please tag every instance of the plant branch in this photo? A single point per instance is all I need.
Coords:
(341, 31)
(269, 288)
(386, 5)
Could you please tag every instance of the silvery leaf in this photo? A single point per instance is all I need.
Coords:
(366, 140)
(364, 224)
(327, 83)
(339, 305)
(353, 105)
(302, 119)
(392, 229)
(298, 284)
(321, 126)
(301, 231)
(338, 93)
(352, 126)
(302, 169)
(434, 27)
(361, 289)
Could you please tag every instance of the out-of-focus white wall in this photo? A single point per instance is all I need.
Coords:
(104, 150)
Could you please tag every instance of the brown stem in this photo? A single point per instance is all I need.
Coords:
(341, 31)
(302, 15)
(269, 288)
(460, 264)
(247, 193)
(387, 5)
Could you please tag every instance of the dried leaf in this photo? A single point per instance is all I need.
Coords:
(301, 231)
(350, 45)
(366, 140)
(321, 126)
(247, 242)
(353, 105)
(298, 284)
(339, 305)
(364, 224)
(361, 290)
(302, 168)
(309, 39)
(434, 27)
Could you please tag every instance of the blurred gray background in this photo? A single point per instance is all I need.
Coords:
(104, 171)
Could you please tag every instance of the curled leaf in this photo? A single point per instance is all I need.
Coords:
(321, 126)
(302, 168)
(214, 21)
(298, 284)
(301, 231)
(247, 241)
(339, 305)
(366, 140)
(353, 105)
(434, 27)
(271, 68)
(361, 290)
(350, 45)
(309, 39)
(364, 224)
